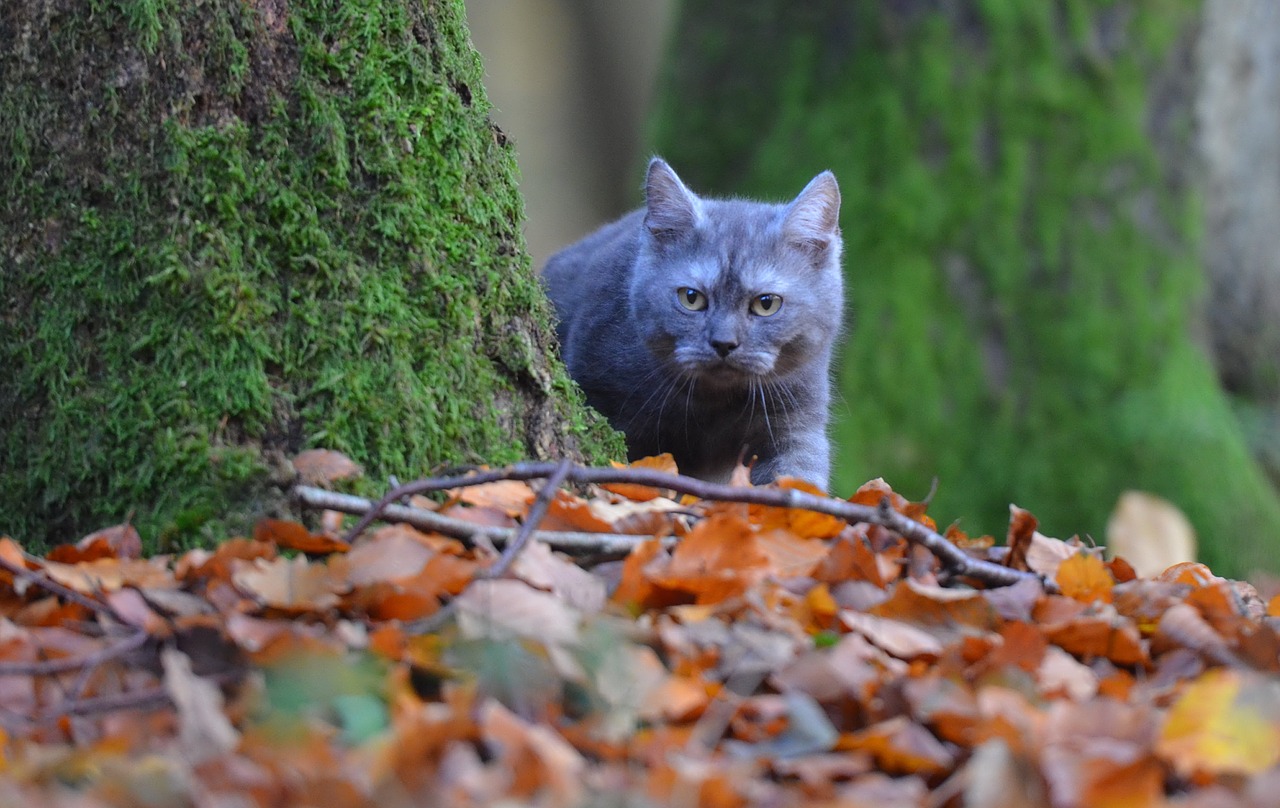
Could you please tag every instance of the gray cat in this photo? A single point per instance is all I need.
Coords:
(704, 327)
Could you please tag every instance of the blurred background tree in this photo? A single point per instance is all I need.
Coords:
(1024, 223)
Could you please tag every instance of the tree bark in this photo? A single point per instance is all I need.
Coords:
(1238, 123)
(1020, 245)
(232, 230)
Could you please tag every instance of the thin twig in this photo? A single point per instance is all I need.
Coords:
(537, 511)
(953, 559)
(89, 661)
(575, 542)
(66, 593)
(153, 698)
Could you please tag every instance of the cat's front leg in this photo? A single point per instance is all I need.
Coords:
(805, 455)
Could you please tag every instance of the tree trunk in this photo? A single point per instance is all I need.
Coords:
(1238, 121)
(1020, 245)
(231, 230)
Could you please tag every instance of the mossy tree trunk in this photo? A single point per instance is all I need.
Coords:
(1020, 244)
(232, 230)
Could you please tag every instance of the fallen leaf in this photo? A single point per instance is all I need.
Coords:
(323, 466)
(901, 747)
(293, 585)
(1084, 577)
(900, 639)
(512, 497)
(1224, 723)
(540, 566)
(540, 760)
(293, 536)
(204, 731)
(642, 493)
(513, 608)
(720, 558)
(1150, 533)
(392, 553)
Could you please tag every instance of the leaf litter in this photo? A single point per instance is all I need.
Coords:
(767, 656)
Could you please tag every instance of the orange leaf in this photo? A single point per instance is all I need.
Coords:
(1187, 572)
(512, 497)
(902, 747)
(720, 558)
(642, 493)
(293, 536)
(635, 590)
(1099, 637)
(217, 565)
(805, 524)
(1084, 577)
(568, 512)
(820, 602)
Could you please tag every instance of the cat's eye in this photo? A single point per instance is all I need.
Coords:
(691, 298)
(766, 305)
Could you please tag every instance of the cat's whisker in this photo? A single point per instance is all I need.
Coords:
(785, 396)
(764, 405)
(688, 404)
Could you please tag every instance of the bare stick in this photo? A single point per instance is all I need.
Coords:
(567, 541)
(953, 559)
(97, 658)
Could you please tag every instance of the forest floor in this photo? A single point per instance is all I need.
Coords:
(686, 645)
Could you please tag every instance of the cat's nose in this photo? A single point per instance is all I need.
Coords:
(723, 347)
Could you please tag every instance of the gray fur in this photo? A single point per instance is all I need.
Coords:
(653, 367)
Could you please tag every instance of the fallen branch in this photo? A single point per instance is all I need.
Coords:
(565, 541)
(954, 560)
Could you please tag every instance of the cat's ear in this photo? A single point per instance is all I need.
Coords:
(812, 222)
(671, 209)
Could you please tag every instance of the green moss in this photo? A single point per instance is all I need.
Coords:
(1021, 263)
(228, 235)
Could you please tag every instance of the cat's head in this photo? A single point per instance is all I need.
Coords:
(730, 291)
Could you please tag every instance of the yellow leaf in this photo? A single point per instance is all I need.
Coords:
(1217, 727)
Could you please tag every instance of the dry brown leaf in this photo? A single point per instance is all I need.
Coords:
(900, 639)
(323, 466)
(110, 574)
(291, 585)
(392, 553)
(719, 559)
(204, 730)
(1115, 638)
(540, 566)
(543, 763)
(490, 608)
